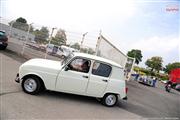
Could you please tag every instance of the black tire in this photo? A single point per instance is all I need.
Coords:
(3, 47)
(27, 88)
(107, 98)
(168, 88)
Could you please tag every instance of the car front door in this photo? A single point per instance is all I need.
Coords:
(74, 77)
(99, 78)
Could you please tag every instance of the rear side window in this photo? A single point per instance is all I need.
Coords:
(101, 69)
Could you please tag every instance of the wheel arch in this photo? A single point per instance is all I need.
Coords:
(117, 94)
(34, 75)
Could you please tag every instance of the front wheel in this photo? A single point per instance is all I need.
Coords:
(168, 87)
(109, 100)
(3, 47)
(31, 85)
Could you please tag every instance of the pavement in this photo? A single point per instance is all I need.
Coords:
(144, 102)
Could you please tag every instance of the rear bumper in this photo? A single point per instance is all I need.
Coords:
(17, 79)
(125, 98)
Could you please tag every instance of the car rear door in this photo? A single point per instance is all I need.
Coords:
(99, 78)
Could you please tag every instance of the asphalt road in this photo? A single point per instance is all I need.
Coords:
(144, 102)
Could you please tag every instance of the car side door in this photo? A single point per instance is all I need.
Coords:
(74, 76)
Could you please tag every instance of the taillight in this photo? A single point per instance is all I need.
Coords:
(126, 90)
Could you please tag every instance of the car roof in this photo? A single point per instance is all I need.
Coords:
(2, 31)
(97, 58)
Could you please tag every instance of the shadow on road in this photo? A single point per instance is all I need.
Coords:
(70, 97)
(134, 108)
(14, 55)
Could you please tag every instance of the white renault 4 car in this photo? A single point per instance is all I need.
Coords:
(79, 73)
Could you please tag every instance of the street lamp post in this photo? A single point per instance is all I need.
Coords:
(98, 42)
(83, 40)
(27, 35)
(49, 40)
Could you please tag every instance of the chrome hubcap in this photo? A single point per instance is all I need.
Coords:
(30, 85)
(111, 100)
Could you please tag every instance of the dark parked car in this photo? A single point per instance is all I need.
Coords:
(3, 40)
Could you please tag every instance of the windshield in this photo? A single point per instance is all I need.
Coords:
(66, 59)
(2, 33)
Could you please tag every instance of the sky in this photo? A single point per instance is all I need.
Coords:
(151, 26)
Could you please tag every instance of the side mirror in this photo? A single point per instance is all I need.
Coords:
(66, 68)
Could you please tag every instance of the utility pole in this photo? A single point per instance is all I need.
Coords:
(98, 42)
(49, 41)
(82, 40)
(10, 29)
(26, 38)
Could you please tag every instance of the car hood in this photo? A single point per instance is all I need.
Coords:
(43, 63)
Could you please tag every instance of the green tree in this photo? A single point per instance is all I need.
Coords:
(75, 46)
(84, 50)
(31, 29)
(60, 37)
(20, 23)
(21, 20)
(155, 63)
(91, 51)
(41, 35)
(171, 66)
(135, 54)
(141, 70)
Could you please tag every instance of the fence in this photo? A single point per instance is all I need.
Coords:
(37, 41)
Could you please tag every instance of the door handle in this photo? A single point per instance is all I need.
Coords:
(84, 76)
(105, 80)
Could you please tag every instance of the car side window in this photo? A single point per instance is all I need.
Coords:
(101, 69)
(80, 65)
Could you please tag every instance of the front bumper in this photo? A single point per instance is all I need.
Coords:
(17, 79)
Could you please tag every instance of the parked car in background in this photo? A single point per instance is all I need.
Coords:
(49, 48)
(33, 45)
(64, 51)
(79, 73)
(3, 40)
(42, 47)
(60, 51)
(148, 80)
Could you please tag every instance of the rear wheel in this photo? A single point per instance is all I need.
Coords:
(109, 100)
(31, 85)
